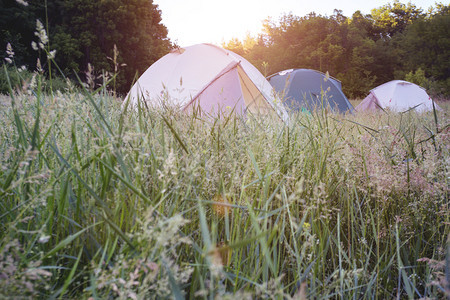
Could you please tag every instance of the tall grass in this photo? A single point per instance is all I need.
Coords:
(104, 203)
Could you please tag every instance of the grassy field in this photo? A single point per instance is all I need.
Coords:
(99, 204)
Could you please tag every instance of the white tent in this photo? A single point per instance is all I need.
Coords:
(398, 96)
(207, 77)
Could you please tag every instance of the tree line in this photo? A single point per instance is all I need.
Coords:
(394, 41)
(124, 37)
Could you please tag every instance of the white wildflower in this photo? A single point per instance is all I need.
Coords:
(8, 60)
(32, 85)
(34, 46)
(9, 50)
(39, 66)
(41, 34)
(362, 241)
(201, 293)
(39, 26)
(33, 81)
(170, 229)
(44, 38)
(24, 3)
(51, 55)
(44, 239)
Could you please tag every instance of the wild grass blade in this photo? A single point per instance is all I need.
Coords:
(64, 243)
(69, 278)
(177, 137)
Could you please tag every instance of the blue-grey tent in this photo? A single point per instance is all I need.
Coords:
(309, 89)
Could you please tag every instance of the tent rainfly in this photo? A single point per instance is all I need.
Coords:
(309, 89)
(207, 78)
(398, 96)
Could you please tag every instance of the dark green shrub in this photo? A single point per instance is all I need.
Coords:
(22, 79)
(17, 78)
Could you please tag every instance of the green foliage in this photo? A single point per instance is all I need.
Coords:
(17, 26)
(98, 26)
(335, 44)
(425, 45)
(121, 38)
(84, 31)
(418, 77)
(17, 78)
(102, 202)
(362, 51)
(392, 19)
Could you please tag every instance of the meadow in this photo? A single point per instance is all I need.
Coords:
(101, 203)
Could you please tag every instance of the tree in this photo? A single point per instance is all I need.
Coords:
(425, 45)
(132, 26)
(391, 19)
(333, 44)
(17, 26)
(106, 34)
(356, 73)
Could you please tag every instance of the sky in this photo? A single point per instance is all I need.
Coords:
(216, 21)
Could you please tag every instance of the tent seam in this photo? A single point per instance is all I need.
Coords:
(224, 71)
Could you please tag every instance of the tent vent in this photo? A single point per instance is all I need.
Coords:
(285, 72)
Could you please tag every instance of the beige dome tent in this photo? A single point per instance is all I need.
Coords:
(207, 77)
(398, 96)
